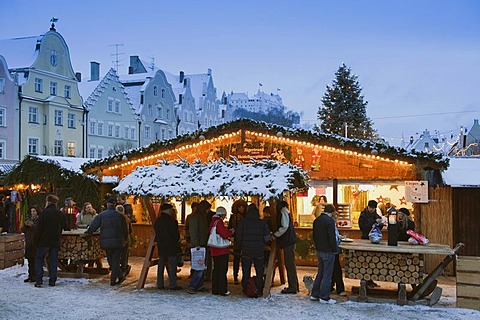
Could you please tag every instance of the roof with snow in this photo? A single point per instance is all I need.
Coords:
(20, 52)
(462, 172)
(92, 90)
(227, 178)
(329, 140)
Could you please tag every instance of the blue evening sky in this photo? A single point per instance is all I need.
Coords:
(418, 61)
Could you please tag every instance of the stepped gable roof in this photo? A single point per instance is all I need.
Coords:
(433, 159)
(94, 89)
(177, 86)
(424, 143)
(20, 52)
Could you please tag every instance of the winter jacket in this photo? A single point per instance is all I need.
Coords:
(286, 232)
(167, 235)
(252, 234)
(84, 219)
(223, 232)
(113, 229)
(198, 229)
(402, 233)
(324, 235)
(366, 221)
(49, 228)
(29, 231)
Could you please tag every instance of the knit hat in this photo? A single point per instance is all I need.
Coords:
(165, 206)
(221, 211)
(111, 200)
(52, 198)
(329, 208)
(405, 211)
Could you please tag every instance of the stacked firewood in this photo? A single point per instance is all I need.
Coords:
(80, 248)
(382, 266)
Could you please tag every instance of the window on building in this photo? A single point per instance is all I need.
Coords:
(110, 105)
(71, 120)
(110, 130)
(168, 114)
(110, 152)
(2, 149)
(170, 134)
(132, 134)
(155, 89)
(71, 149)
(185, 119)
(68, 92)
(149, 110)
(126, 132)
(100, 153)
(159, 112)
(117, 106)
(33, 146)
(2, 85)
(100, 129)
(58, 148)
(92, 127)
(38, 85)
(53, 88)
(33, 114)
(117, 131)
(163, 134)
(58, 116)
(91, 152)
(3, 114)
(146, 132)
(163, 93)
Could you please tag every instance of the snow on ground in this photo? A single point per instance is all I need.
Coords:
(96, 299)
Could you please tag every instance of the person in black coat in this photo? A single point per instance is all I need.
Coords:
(113, 237)
(167, 237)
(326, 246)
(404, 223)
(30, 250)
(47, 240)
(251, 235)
(368, 217)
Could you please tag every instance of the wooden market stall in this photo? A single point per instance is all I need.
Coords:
(349, 171)
(266, 180)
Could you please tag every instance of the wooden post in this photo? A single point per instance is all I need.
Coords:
(147, 263)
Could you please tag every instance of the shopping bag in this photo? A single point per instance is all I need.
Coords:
(198, 258)
(420, 238)
(215, 240)
(375, 234)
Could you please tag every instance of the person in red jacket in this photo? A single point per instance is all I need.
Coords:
(220, 255)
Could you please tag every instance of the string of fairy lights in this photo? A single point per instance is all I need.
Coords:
(279, 138)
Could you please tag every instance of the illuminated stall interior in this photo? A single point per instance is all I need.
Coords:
(348, 172)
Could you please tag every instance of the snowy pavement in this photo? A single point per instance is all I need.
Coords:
(96, 299)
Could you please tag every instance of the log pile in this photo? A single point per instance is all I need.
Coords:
(383, 266)
(78, 248)
(12, 249)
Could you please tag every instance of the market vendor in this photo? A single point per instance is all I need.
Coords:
(85, 217)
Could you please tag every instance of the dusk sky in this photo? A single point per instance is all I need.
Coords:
(417, 61)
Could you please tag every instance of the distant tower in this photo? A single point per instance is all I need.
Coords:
(53, 20)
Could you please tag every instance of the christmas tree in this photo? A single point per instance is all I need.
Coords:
(344, 110)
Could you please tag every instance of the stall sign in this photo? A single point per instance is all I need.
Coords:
(416, 191)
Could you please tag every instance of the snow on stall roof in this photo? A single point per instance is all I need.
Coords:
(68, 163)
(462, 172)
(223, 178)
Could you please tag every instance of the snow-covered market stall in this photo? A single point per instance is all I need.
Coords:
(265, 180)
(345, 172)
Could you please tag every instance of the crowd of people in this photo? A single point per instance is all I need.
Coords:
(250, 234)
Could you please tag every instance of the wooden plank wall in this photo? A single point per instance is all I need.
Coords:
(468, 282)
(466, 213)
(435, 221)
